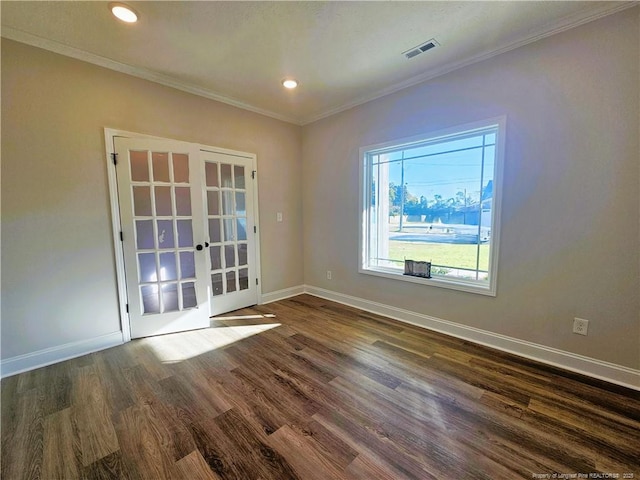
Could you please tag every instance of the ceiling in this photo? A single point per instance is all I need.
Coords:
(343, 53)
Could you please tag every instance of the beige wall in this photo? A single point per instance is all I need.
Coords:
(569, 242)
(571, 217)
(58, 271)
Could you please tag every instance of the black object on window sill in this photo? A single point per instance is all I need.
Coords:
(416, 268)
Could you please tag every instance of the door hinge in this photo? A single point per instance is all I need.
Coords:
(256, 281)
(121, 237)
(127, 308)
(114, 157)
(255, 229)
(253, 174)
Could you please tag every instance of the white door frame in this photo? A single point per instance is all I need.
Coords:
(109, 134)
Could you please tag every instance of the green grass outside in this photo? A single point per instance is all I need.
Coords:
(454, 255)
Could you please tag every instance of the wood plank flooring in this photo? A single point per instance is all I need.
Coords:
(309, 389)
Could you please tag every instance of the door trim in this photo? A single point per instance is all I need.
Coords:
(109, 135)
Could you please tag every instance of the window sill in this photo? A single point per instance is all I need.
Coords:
(435, 281)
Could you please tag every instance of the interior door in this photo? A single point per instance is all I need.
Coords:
(160, 190)
(230, 190)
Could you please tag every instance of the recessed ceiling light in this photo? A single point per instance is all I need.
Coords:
(289, 83)
(123, 12)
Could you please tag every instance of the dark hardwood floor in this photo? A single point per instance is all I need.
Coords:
(309, 389)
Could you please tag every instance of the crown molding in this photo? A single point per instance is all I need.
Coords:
(563, 24)
(78, 54)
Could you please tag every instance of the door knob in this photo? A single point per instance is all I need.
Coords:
(199, 247)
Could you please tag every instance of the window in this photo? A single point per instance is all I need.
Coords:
(434, 199)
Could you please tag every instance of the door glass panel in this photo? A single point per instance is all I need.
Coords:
(150, 299)
(213, 202)
(183, 201)
(163, 201)
(231, 281)
(241, 209)
(216, 262)
(216, 284)
(170, 298)
(165, 234)
(214, 230)
(147, 267)
(160, 162)
(227, 203)
(242, 254)
(229, 256)
(142, 201)
(168, 266)
(180, 168)
(238, 171)
(242, 228)
(187, 265)
(139, 166)
(211, 174)
(243, 277)
(225, 174)
(144, 234)
(228, 230)
(188, 295)
(185, 233)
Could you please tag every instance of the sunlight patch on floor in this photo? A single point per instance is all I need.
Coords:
(182, 346)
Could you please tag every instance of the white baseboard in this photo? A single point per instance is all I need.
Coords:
(610, 372)
(42, 358)
(281, 294)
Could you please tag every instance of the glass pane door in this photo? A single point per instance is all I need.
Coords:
(159, 188)
(230, 221)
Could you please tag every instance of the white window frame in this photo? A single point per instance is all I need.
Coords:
(366, 152)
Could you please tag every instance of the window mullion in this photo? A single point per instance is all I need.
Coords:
(484, 150)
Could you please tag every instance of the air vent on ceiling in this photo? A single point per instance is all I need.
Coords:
(421, 48)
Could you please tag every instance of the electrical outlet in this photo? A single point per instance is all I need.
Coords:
(580, 326)
(278, 216)
(328, 274)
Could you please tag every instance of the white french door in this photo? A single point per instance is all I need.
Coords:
(231, 231)
(186, 215)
